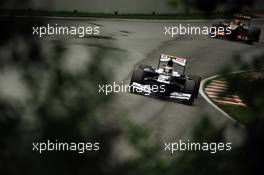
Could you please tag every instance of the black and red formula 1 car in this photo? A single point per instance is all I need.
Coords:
(238, 29)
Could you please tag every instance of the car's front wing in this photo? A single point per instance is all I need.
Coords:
(148, 91)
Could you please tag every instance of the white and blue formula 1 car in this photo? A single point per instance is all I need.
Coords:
(166, 81)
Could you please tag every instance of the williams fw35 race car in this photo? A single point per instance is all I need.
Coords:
(166, 81)
(238, 29)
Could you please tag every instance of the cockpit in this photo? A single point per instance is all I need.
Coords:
(171, 65)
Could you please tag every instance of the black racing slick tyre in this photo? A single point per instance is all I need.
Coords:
(189, 89)
(256, 33)
(143, 66)
(213, 31)
(137, 76)
(233, 35)
(197, 80)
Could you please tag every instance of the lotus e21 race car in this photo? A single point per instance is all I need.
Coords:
(166, 81)
(238, 29)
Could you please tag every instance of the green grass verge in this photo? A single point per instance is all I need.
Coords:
(240, 113)
(151, 16)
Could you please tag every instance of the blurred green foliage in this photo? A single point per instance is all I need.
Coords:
(64, 106)
(210, 6)
(61, 106)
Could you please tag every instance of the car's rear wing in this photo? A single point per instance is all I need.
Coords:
(178, 60)
(239, 16)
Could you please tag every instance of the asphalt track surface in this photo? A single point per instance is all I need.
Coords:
(170, 121)
(141, 42)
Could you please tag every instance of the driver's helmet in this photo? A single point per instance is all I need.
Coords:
(168, 69)
(237, 21)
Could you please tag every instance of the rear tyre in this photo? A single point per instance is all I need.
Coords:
(233, 35)
(256, 33)
(213, 31)
(197, 80)
(137, 76)
(189, 89)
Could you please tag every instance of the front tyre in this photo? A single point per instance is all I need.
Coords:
(213, 32)
(256, 33)
(189, 88)
(197, 80)
(137, 76)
